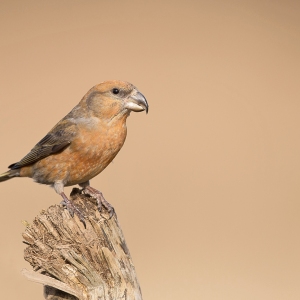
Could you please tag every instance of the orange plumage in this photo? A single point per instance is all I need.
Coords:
(84, 142)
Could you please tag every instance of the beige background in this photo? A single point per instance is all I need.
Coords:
(207, 184)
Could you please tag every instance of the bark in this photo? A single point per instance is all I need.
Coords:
(77, 262)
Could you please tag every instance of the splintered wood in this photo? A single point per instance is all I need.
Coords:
(74, 262)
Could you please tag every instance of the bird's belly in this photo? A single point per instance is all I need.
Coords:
(82, 160)
(90, 164)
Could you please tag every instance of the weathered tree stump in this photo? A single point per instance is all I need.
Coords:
(77, 262)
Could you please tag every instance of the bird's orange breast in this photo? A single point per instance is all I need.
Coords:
(89, 154)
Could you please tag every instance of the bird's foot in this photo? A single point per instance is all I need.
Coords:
(72, 209)
(101, 202)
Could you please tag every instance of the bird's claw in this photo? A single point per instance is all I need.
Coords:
(69, 206)
(72, 209)
(109, 208)
(101, 202)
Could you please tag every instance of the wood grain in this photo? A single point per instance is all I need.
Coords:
(77, 262)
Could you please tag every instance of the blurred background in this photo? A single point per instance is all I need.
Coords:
(206, 187)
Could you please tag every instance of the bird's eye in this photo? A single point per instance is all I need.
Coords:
(116, 91)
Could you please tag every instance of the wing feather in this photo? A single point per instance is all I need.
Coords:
(56, 140)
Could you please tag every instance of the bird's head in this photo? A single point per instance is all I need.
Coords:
(115, 98)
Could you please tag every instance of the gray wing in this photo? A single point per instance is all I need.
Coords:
(56, 140)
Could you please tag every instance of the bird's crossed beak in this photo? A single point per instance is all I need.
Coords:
(137, 102)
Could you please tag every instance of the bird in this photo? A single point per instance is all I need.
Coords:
(83, 143)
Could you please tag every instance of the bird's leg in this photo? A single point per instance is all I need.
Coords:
(59, 188)
(68, 204)
(87, 189)
(72, 208)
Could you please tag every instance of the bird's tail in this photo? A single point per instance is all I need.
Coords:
(9, 175)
